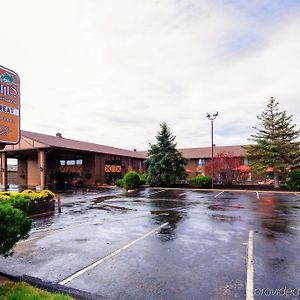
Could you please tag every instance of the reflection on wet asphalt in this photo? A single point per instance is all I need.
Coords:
(200, 254)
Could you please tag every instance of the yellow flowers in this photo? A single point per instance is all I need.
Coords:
(30, 194)
(46, 194)
(4, 196)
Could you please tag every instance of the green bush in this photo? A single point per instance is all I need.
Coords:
(200, 181)
(131, 180)
(16, 200)
(293, 180)
(14, 224)
(143, 178)
(120, 183)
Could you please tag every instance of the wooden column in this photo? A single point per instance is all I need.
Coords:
(3, 170)
(42, 167)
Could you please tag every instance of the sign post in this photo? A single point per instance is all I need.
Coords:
(9, 107)
(9, 116)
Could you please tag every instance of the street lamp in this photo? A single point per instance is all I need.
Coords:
(211, 117)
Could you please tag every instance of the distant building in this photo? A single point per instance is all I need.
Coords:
(56, 162)
(199, 157)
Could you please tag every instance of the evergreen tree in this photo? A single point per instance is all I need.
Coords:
(274, 142)
(166, 165)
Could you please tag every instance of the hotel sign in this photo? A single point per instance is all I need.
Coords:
(9, 107)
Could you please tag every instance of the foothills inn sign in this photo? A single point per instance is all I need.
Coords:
(9, 107)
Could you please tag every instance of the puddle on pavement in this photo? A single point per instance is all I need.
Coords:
(217, 207)
(103, 198)
(276, 262)
(224, 218)
(81, 240)
(108, 207)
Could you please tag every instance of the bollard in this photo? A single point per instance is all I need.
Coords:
(59, 203)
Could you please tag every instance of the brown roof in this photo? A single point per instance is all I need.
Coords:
(205, 152)
(58, 142)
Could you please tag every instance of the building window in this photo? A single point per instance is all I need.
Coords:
(115, 162)
(246, 161)
(201, 162)
(71, 162)
(79, 162)
(130, 161)
(62, 162)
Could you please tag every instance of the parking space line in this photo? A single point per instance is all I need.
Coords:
(250, 269)
(105, 258)
(99, 221)
(219, 194)
(257, 195)
(297, 195)
(156, 192)
(182, 194)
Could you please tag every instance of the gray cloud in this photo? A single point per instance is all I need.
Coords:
(108, 67)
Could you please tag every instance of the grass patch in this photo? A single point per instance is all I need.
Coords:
(22, 291)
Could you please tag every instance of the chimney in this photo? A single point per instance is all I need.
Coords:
(134, 149)
(59, 135)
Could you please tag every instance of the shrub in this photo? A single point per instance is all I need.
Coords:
(120, 183)
(14, 224)
(143, 178)
(293, 180)
(131, 180)
(16, 200)
(200, 181)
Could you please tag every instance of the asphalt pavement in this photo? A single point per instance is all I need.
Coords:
(166, 244)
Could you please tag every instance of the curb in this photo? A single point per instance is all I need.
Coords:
(226, 190)
(53, 287)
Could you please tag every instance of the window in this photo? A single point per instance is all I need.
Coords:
(201, 162)
(70, 162)
(113, 162)
(62, 162)
(79, 162)
(246, 161)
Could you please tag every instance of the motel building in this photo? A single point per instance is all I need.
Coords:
(45, 161)
(199, 157)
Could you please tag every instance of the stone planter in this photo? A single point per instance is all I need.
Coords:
(41, 207)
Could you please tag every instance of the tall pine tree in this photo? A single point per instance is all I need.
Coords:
(275, 142)
(166, 165)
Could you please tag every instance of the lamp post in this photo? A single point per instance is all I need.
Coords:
(211, 117)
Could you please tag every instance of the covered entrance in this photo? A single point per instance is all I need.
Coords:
(59, 163)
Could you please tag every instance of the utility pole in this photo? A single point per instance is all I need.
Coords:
(211, 117)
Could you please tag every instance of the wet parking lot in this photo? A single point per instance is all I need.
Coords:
(167, 244)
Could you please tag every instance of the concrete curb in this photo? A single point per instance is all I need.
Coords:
(226, 190)
(53, 287)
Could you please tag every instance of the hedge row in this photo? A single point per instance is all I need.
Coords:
(200, 181)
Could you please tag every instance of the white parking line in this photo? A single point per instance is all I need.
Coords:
(297, 195)
(250, 269)
(105, 258)
(156, 192)
(257, 195)
(219, 194)
(182, 194)
(99, 221)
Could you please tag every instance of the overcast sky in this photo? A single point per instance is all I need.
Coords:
(110, 72)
